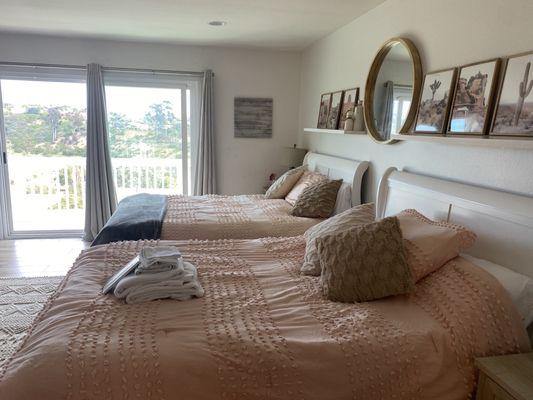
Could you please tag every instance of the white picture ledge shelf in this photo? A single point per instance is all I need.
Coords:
(333, 131)
(498, 142)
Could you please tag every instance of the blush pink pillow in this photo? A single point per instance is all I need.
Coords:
(308, 178)
(430, 244)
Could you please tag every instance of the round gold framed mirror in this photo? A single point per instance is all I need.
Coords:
(392, 90)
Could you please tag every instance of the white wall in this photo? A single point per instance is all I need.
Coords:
(243, 165)
(447, 33)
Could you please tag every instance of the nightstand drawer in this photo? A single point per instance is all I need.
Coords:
(490, 390)
(508, 377)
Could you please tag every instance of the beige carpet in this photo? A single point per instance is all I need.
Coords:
(21, 299)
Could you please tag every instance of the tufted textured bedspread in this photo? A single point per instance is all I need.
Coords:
(262, 331)
(214, 217)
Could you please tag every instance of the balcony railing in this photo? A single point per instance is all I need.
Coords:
(58, 183)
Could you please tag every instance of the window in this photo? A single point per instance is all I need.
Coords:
(401, 106)
(43, 135)
(151, 123)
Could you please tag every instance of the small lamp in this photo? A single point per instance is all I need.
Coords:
(294, 156)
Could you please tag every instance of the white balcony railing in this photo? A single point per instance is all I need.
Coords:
(58, 183)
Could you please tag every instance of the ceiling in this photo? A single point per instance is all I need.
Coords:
(280, 24)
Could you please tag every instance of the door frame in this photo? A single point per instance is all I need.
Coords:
(5, 203)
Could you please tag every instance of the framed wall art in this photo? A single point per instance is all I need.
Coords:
(513, 114)
(350, 97)
(335, 110)
(323, 111)
(253, 117)
(473, 98)
(435, 102)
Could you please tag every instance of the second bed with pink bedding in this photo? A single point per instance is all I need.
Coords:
(213, 217)
(261, 331)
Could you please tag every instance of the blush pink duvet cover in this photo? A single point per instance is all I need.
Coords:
(262, 331)
(213, 217)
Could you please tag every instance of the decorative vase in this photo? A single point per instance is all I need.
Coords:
(348, 123)
(359, 120)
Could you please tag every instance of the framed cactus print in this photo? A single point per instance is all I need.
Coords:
(473, 98)
(435, 102)
(513, 115)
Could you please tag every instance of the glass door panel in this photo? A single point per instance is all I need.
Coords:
(149, 146)
(45, 139)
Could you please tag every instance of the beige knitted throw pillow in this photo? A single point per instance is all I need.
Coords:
(307, 179)
(365, 263)
(317, 200)
(359, 215)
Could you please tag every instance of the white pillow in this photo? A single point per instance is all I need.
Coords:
(519, 287)
(344, 199)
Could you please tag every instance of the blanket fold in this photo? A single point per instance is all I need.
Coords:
(137, 217)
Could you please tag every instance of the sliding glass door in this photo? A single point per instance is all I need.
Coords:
(43, 137)
(152, 120)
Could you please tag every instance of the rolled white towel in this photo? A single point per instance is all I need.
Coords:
(179, 284)
(158, 259)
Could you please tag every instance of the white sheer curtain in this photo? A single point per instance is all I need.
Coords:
(204, 177)
(100, 198)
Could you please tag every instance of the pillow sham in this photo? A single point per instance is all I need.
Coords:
(344, 221)
(519, 287)
(307, 179)
(364, 263)
(317, 200)
(430, 244)
(344, 199)
(284, 183)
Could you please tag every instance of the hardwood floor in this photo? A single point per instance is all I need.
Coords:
(38, 257)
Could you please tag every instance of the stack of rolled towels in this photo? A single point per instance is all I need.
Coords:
(162, 273)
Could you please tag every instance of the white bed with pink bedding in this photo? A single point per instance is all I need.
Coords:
(261, 331)
(264, 331)
(232, 217)
(253, 216)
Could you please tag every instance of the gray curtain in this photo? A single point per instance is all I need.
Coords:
(100, 196)
(204, 179)
(387, 107)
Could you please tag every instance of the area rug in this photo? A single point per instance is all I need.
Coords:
(21, 299)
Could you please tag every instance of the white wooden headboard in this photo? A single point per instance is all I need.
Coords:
(350, 171)
(503, 221)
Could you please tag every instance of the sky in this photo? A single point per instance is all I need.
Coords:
(130, 101)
